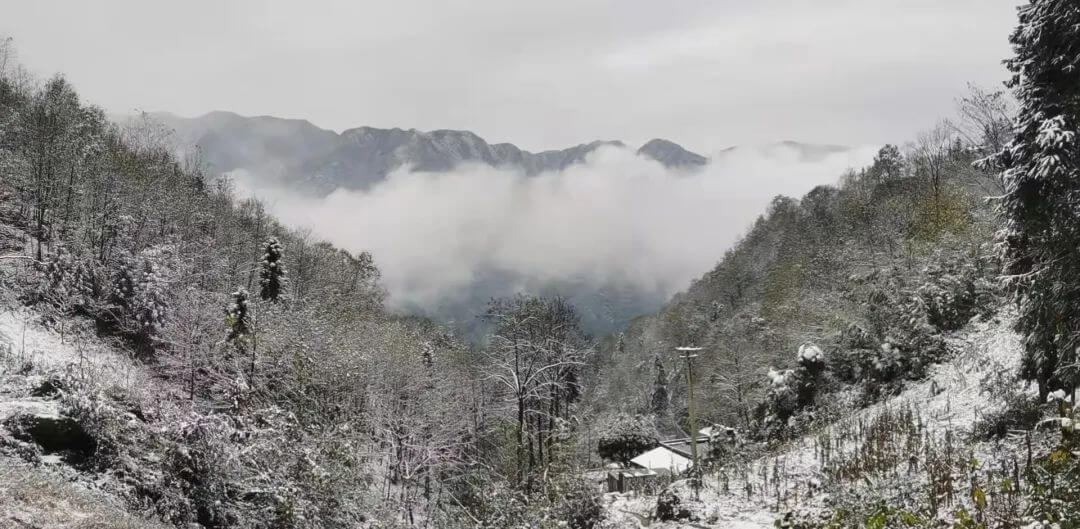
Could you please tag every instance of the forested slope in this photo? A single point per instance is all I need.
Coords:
(264, 383)
(170, 354)
(895, 253)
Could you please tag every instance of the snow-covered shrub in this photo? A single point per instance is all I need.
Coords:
(67, 283)
(1054, 491)
(573, 500)
(811, 354)
(781, 398)
(896, 335)
(137, 304)
(669, 506)
(1021, 412)
(271, 271)
(566, 501)
(149, 307)
(792, 390)
(196, 465)
(723, 441)
(626, 436)
(1011, 406)
(237, 318)
(804, 519)
(123, 282)
(955, 291)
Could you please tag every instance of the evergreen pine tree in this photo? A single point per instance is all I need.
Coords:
(660, 397)
(237, 319)
(149, 304)
(271, 271)
(123, 284)
(1041, 171)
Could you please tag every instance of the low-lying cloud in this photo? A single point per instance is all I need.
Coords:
(618, 218)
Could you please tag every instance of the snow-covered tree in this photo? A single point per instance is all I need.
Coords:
(123, 283)
(660, 398)
(271, 271)
(888, 164)
(625, 437)
(537, 348)
(791, 390)
(150, 306)
(237, 317)
(1042, 200)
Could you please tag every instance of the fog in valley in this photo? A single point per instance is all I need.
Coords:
(618, 219)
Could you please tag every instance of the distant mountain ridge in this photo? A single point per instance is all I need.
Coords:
(322, 160)
(296, 155)
(671, 154)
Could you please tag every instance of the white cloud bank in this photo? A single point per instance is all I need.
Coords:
(618, 218)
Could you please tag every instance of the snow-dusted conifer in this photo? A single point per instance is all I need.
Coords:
(150, 305)
(271, 271)
(123, 283)
(660, 396)
(1041, 172)
(237, 319)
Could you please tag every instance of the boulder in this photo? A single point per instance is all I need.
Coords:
(41, 423)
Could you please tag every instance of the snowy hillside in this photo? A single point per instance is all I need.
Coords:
(886, 452)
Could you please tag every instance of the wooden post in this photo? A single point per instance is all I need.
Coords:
(688, 354)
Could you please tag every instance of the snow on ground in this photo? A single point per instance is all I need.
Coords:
(951, 398)
(26, 342)
(31, 498)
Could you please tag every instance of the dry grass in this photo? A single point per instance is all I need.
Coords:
(33, 497)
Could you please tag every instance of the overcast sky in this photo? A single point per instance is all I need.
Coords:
(541, 74)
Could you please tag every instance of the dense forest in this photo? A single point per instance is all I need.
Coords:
(266, 384)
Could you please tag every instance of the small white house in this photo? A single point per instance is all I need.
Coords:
(662, 460)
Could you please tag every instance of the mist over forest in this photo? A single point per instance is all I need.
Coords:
(660, 310)
(617, 225)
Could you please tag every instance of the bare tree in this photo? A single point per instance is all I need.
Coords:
(536, 353)
(931, 156)
(985, 122)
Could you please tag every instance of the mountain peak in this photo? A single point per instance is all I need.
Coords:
(359, 157)
(671, 154)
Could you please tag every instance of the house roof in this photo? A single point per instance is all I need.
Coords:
(662, 458)
(633, 472)
(682, 446)
(717, 429)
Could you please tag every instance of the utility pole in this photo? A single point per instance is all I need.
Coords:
(689, 354)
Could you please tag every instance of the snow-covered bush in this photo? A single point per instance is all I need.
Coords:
(67, 282)
(137, 303)
(567, 501)
(272, 271)
(123, 282)
(896, 335)
(781, 398)
(573, 500)
(626, 436)
(669, 506)
(811, 355)
(237, 317)
(792, 390)
(149, 306)
(955, 291)
(1054, 488)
